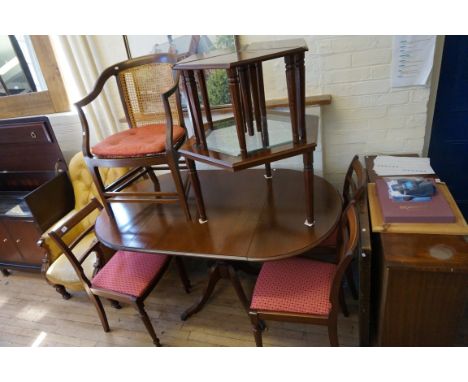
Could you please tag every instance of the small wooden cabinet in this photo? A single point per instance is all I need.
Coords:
(34, 190)
(421, 290)
(419, 286)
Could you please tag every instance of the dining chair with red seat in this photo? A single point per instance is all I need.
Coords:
(150, 96)
(128, 277)
(298, 289)
(354, 187)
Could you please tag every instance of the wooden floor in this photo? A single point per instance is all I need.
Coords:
(31, 310)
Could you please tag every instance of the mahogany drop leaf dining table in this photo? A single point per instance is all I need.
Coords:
(251, 219)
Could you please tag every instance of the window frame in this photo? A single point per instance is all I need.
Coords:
(52, 100)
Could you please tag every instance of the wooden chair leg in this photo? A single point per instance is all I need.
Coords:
(351, 283)
(146, 320)
(268, 174)
(333, 330)
(62, 291)
(344, 307)
(195, 181)
(98, 182)
(174, 166)
(256, 328)
(183, 274)
(100, 310)
(154, 179)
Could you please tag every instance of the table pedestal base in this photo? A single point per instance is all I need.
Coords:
(220, 270)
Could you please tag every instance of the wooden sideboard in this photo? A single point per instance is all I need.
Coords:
(34, 190)
(419, 287)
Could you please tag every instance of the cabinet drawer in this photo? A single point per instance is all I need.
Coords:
(34, 132)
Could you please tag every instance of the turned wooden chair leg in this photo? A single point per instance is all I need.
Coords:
(344, 307)
(183, 274)
(146, 320)
(256, 329)
(195, 181)
(154, 179)
(62, 291)
(101, 312)
(333, 330)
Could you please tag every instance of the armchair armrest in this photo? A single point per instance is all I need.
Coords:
(52, 249)
(167, 109)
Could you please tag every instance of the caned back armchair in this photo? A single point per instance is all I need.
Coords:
(150, 96)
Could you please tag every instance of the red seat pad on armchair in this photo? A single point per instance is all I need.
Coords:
(294, 285)
(129, 272)
(139, 141)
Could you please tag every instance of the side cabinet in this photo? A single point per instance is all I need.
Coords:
(35, 190)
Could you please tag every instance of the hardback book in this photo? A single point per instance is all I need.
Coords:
(434, 209)
(415, 189)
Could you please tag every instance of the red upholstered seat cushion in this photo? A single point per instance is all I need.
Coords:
(331, 240)
(139, 141)
(129, 272)
(294, 285)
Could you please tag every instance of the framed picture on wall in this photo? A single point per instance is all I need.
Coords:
(184, 46)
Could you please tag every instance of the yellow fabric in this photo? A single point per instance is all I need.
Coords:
(84, 190)
(83, 184)
(62, 272)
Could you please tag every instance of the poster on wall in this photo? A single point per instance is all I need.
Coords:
(412, 60)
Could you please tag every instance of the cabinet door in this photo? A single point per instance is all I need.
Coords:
(8, 251)
(25, 235)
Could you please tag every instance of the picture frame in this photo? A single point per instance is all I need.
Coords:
(184, 46)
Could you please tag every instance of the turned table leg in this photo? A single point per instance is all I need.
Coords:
(246, 98)
(309, 188)
(233, 79)
(195, 109)
(262, 112)
(204, 93)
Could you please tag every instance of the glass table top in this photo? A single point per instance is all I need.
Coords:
(223, 137)
(223, 149)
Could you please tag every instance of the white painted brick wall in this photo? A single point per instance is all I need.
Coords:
(366, 116)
